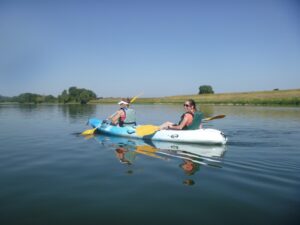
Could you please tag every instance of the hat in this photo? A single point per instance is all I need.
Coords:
(122, 102)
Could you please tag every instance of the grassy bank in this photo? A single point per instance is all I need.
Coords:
(280, 97)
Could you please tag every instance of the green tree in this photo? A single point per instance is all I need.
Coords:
(74, 93)
(86, 95)
(28, 98)
(206, 89)
(39, 99)
(79, 95)
(64, 97)
(50, 99)
(5, 98)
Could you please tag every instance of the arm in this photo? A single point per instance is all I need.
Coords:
(184, 122)
(115, 117)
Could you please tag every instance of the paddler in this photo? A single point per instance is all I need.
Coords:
(125, 116)
(190, 120)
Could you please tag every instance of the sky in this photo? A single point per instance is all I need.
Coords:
(120, 48)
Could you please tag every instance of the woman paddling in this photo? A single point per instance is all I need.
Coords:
(190, 120)
(124, 116)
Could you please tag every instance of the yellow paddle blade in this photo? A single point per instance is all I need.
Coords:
(147, 150)
(144, 130)
(89, 132)
(214, 117)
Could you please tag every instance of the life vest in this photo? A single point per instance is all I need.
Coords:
(129, 119)
(197, 118)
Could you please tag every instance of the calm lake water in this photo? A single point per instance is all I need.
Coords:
(51, 175)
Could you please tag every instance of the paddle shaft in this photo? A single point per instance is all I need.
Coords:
(214, 117)
(131, 101)
(144, 130)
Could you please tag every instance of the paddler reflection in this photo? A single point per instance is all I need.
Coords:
(190, 157)
(125, 156)
(189, 167)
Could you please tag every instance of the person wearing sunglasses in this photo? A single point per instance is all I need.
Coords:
(190, 120)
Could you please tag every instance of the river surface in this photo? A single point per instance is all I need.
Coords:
(51, 175)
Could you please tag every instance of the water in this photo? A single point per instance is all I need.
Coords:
(51, 175)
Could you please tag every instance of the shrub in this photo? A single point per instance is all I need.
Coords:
(206, 89)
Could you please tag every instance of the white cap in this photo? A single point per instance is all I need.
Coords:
(122, 102)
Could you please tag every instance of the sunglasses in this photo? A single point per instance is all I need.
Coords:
(186, 105)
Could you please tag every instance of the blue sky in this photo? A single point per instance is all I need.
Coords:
(161, 48)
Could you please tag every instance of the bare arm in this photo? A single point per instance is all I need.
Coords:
(115, 117)
(183, 123)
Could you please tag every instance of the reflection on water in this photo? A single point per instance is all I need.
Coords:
(77, 111)
(190, 156)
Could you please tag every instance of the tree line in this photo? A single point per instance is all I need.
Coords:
(72, 95)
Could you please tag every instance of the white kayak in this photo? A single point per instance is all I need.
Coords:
(201, 136)
(209, 155)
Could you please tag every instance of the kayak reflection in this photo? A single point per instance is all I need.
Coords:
(191, 155)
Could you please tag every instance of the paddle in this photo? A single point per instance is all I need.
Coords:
(131, 101)
(92, 131)
(144, 130)
(147, 150)
(214, 117)
(134, 98)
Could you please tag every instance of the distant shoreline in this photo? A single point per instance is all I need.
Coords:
(275, 97)
(260, 98)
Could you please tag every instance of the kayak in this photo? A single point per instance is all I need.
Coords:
(162, 147)
(127, 150)
(201, 136)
